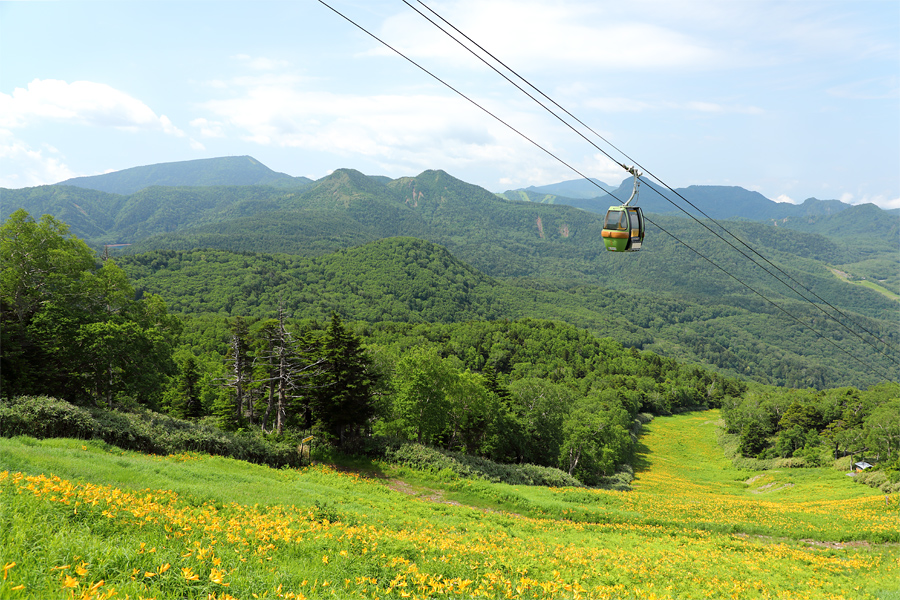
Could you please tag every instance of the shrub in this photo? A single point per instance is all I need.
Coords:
(137, 429)
(443, 462)
(44, 417)
(878, 479)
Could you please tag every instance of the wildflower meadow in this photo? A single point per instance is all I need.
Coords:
(87, 520)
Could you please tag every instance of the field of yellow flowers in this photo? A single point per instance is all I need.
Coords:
(85, 520)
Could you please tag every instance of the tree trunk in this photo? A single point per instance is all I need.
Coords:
(271, 403)
(576, 455)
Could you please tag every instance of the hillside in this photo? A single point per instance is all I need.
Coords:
(184, 529)
(517, 239)
(549, 259)
(231, 170)
(413, 281)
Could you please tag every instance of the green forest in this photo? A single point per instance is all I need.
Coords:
(436, 249)
(398, 342)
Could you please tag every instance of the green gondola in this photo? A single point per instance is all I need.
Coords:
(623, 228)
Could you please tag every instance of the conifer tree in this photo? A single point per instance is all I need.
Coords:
(188, 389)
(343, 401)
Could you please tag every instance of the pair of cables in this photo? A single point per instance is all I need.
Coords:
(551, 106)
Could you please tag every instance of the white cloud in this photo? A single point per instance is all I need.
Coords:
(385, 127)
(881, 200)
(80, 102)
(786, 199)
(208, 129)
(891, 203)
(548, 35)
(22, 166)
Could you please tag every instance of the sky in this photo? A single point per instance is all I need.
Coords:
(791, 98)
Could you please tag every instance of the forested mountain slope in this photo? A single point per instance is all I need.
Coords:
(410, 280)
(500, 238)
(520, 239)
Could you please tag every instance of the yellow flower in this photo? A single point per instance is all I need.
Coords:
(7, 568)
(325, 559)
(216, 577)
(189, 574)
(70, 582)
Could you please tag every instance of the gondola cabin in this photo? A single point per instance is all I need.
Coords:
(623, 229)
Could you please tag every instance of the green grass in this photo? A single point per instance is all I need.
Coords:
(865, 283)
(874, 286)
(692, 528)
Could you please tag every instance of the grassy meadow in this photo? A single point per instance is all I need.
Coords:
(87, 520)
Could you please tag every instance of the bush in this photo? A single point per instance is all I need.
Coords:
(443, 462)
(138, 429)
(44, 417)
(878, 479)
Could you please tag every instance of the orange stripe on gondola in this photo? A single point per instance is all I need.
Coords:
(614, 234)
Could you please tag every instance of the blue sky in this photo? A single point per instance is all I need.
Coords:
(793, 99)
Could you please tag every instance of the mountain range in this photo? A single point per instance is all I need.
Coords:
(544, 256)
(716, 201)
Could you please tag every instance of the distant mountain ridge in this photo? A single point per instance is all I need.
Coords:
(229, 170)
(717, 201)
(177, 196)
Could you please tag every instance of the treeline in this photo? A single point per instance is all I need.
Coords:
(819, 426)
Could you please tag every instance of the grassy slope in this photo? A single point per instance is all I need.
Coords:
(691, 529)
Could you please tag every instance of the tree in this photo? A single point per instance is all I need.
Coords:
(753, 439)
(342, 401)
(288, 366)
(540, 407)
(472, 413)
(72, 328)
(41, 264)
(187, 400)
(239, 374)
(596, 437)
(883, 427)
(421, 380)
(806, 417)
(266, 364)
